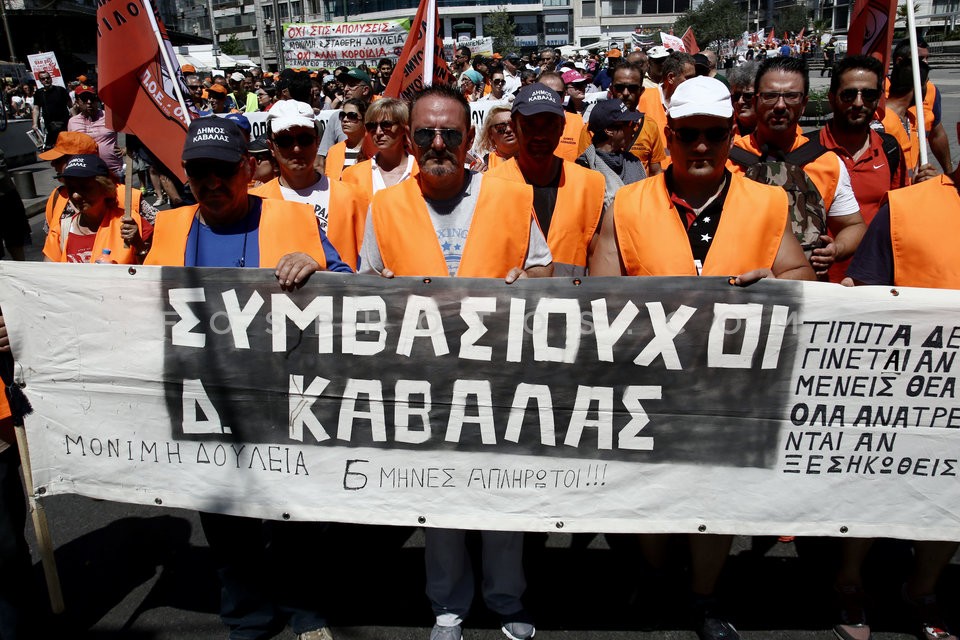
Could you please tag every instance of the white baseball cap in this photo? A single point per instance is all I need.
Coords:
(700, 96)
(657, 52)
(288, 114)
(236, 76)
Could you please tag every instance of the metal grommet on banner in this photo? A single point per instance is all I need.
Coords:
(422, 520)
(132, 271)
(427, 280)
(559, 525)
(843, 529)
(894, 292)
(158, 500)
(732, 281)
(286, 516)
(42, 490)
(702, 528)
(577, 282)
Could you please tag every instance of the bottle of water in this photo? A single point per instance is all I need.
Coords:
(105, 258)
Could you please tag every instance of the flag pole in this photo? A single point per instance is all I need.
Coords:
(429, 48)
(128, 185)
(917, 89)
(161, 42)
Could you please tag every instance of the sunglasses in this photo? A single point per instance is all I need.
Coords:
(350, 116)
(620, 87)
(502, 127)
(203, 169)
(713, 135)
(287, 140)
(385, 125)
(773, 97)
(746, 96)
(498, 82)
(452, 138)
(868, 95)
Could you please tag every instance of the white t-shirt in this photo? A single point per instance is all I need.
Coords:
(844, 201)
(317, 194)
(378, 182)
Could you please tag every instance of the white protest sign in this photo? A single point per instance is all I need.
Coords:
(46, 61)
(327, 45)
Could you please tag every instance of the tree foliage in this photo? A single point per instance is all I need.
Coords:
(713, 20)
(232, 46)
(501, 29)
(792, 19)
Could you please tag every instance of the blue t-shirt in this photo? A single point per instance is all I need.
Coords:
(238, 244)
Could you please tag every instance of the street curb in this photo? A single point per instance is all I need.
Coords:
(36, 208)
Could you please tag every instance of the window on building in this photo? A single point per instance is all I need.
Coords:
(284, 11)
(648, 6)
(296, 9)
(588, 9)
(267, 12)
(665, 6)
(556, 3)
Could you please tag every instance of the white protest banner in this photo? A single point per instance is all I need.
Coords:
(45, 61)
(672, 42)
(327, 45)
(595, 404)
(479, 46)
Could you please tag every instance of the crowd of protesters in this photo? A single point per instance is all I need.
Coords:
(621, 164)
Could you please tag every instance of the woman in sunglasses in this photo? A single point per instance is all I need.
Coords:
(498, 141)
(386, 123)
(350, 151)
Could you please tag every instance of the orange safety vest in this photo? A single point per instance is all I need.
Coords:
(108, 235)
(824, 171)
(346, 218)
(924, 222)
(56, 203)
(575, 216)
(571, 141)
(651, 106)
(285, 227)
(653, 240)
(930, 96)
(336, 156)
(497, 241)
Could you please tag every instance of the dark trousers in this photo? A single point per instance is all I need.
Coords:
(15, 563)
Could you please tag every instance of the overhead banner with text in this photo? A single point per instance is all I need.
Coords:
(327, 45)
(604, 404)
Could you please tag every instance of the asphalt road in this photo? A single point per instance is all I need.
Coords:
(145, 572)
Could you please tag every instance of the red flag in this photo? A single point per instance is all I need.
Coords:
(410, 74)
(689, 42)
(871, 29)
(800, 35)
(136, 85)
(770, 36)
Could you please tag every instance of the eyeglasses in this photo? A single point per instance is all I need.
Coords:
(202, 169)
(195, 87)
(287, 140)
(746, 96)
(502, 127)
(621, 87)
(713, 135)
(868, 95)
(385, 125)
(45, 78)
(773, 97)
(350, 116)
(452, 138)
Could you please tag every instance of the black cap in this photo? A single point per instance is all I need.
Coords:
(701, 63)
(85, 166)
(537, 98)
(608, 112)
(258, 145)
(214, 138)
(513, 55)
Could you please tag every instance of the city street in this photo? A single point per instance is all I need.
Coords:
(138, 572)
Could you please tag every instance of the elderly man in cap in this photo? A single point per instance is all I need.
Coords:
(69, 143)
(260, 570)
(340, 207)
(654, 75)
(448, 221)
(511, 72)
(567, 199)
(356, 85)
(641, 236)
(241, 87)
(92, 120)
(613, 126)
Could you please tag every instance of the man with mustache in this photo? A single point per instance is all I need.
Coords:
(568, 198)
(421, 227)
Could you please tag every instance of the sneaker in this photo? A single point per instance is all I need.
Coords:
(160, 201)
(316, 634)
(853, 618)
(446, 633)
(518, 630)
(927, 610)
(716, 629)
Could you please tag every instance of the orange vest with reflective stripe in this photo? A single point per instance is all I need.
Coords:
(570, 146)
(824, 171)
(653, 240)
(285, 227)
(346, 217)
(924, 225)
(497, 240)
(336, 156)
(575, 216)
(108, 235)
(56, 203)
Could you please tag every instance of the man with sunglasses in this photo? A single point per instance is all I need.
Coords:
(340, 208)
(54, 103)
(648, 145)
(567, 198)
(448, 221)
(229, 228)
(92, 120)
(640, 236)
(780, 96)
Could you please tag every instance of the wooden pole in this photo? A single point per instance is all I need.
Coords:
(127, 186)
